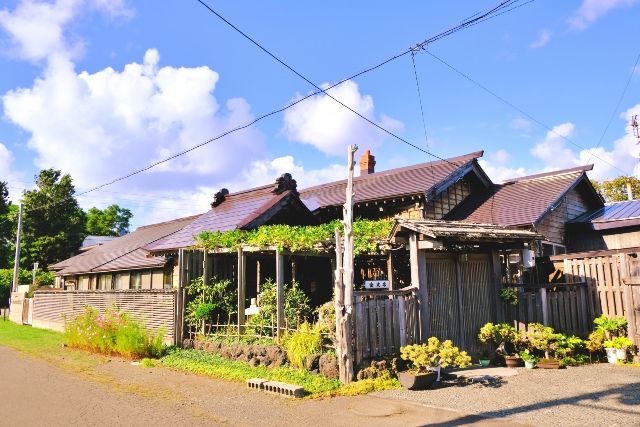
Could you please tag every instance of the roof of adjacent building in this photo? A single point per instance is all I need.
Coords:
(612, 215)
(392, 183)
(519, 201)
(242, 210)
(91, 241)
(123, 253)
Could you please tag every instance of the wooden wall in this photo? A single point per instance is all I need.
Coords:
(552, 227)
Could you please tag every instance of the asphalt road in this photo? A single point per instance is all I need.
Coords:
(35, 393)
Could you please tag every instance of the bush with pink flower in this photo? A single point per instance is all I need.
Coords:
(112, 332)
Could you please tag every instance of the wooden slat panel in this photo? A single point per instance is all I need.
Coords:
(155, 309)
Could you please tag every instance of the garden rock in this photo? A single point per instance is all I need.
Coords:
(329, 366)
(312, 363)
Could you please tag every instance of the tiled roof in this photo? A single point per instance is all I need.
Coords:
(410, 180)
(612, 215)
(124, 252)
(236, 211)
(517, 202)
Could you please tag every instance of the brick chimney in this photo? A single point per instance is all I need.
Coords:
(367, 163)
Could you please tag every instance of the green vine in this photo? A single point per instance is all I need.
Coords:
(367, 237)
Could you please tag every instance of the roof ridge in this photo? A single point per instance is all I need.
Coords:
(582, 168)
(462, 158)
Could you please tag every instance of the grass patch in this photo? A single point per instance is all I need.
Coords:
(212, 365)
(203, 363)
(45, 344)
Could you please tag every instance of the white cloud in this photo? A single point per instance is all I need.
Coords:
(591, 10)
(102, 125)
(37, 29)
(520, 123)
(328, 126)
(552, 150)
(544, 37)
(8, 174)
(496, 166)
(621, 159)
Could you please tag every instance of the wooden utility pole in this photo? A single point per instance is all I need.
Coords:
(344, 280)
(16, 261)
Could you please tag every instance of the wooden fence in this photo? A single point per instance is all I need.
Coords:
(154, 308)
(567, 307)
(383, 322)
(611, 279)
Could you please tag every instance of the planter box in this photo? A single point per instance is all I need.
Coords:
(548, 364)
(417, 381)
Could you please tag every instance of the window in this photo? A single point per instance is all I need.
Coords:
(136, 280)
(167, 279)
(104, 282)
(550, 249)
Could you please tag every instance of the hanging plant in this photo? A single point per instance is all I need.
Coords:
(510, 295)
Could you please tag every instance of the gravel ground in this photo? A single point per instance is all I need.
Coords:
(582, 396)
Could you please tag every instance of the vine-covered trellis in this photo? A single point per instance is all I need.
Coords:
(370, 237)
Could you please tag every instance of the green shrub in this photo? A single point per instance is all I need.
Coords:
(297, 307)
(215, 299)
(307, 341)
(112, 333)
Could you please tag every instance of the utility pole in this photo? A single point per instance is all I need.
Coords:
(344, 281)
(16, 261)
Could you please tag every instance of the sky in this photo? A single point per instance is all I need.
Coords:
(100, 88)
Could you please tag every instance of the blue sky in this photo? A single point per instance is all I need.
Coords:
(98, 88)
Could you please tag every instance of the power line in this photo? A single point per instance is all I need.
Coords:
(424, 124)
(501, 8)
(465, 23)
(515, 107)
(615, 110)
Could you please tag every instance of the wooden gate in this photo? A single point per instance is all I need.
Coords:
(383, 322)
(459, 299)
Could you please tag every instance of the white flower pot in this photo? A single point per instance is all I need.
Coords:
(612, 357)
(621, 354)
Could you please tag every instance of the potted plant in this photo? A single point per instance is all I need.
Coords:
(484, 358)
(426, 361)
(506, 337)
(530, 359)
(617, 347)
(542, 338)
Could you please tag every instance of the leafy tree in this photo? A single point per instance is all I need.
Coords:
(615, 190)
(53, 223)
(112, 221)
(6, 230)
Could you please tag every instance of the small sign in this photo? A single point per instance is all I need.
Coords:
(376, 284)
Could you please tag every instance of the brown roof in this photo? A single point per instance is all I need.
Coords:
(406, 181)
(519, 201)
(123, 253)
(245, 209)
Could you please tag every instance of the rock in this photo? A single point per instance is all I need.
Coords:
(312, 362)
(329, 366)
